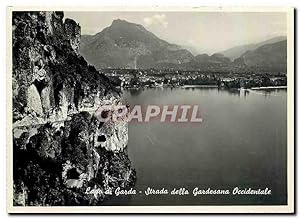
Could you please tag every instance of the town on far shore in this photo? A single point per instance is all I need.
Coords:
(143, 78)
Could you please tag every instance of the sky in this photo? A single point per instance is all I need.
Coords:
(202, 32)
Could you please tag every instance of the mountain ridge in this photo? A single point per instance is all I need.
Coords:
(261, 57)
(237, 51)
(128, 45)
(125, 44)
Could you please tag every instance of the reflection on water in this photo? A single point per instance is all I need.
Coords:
(243, 92)
(241, 142)
(135, 92)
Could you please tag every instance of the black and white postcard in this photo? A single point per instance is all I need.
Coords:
(150, 110)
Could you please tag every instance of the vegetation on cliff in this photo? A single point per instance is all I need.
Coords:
(48, 73)
(57, 166)
(61, 151)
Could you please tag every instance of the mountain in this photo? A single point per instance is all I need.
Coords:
(272, 56)
(128, 45)
(192, 49)
(237, 51)
(213, 59)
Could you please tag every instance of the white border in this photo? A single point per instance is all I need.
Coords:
(162, 209)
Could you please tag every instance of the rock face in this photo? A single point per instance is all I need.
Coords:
(46, 64)
(61, 149)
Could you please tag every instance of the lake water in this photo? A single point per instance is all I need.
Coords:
(241, 142)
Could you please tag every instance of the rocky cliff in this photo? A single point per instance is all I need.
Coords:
(61, 149)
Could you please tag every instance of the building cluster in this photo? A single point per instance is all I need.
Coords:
(132, 78)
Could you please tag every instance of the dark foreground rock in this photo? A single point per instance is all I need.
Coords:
(58, 165)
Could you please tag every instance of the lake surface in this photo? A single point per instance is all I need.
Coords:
(241, 142)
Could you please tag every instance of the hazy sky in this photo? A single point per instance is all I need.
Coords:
(206, 32)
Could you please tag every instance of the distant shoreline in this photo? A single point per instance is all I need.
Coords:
(271, 87)
(215, 86)
(252, 88)
(205, 86)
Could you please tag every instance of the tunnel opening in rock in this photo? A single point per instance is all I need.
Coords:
(72, 174)
(100, 125)
(101, 138)
(40, 85)
(104, 114)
